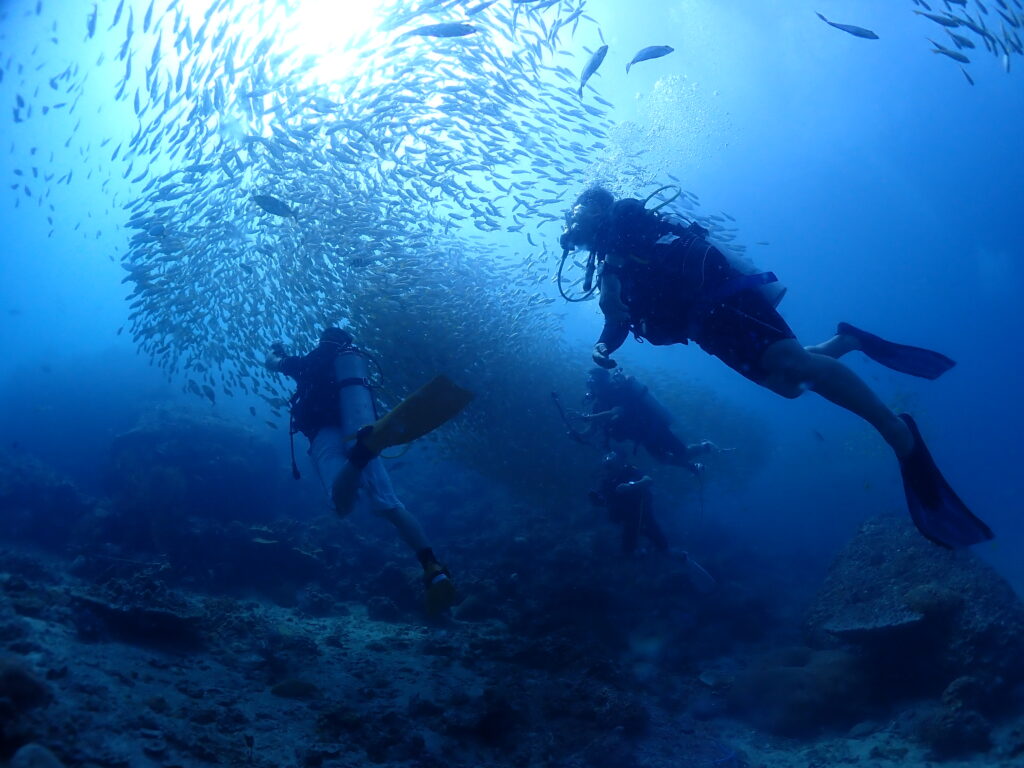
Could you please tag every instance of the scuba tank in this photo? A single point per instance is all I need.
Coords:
(358, 410)
(355, 399)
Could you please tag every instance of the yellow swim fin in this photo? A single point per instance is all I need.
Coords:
(426, 409)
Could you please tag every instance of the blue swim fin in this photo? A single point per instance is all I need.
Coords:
(935, 508)
(915, 361)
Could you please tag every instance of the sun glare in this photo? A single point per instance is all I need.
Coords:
(327, 28)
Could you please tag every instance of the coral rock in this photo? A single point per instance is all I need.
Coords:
(35, 756)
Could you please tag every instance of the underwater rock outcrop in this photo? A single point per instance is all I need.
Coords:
(35, 756)
(177, 462)
(928, 615)
(925, 623)
(175, 629)
(37, 506)
(21, 691)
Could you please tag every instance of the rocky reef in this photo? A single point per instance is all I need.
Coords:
(253, 637)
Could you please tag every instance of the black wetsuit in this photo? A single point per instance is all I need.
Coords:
(631, 509)
(315, 404)
(643, 420)
(678, 287)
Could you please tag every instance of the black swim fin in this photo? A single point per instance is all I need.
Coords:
(904, 358)
(936, 510)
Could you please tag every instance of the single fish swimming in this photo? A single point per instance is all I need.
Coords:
(274, 206)
(946, 21)
(592, 65)
(954, 55)
(452, 29)
(651, 52)
(850, 29)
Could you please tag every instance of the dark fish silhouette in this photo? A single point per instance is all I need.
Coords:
(867, 34)
(273, 205)
(117, 15)
(946, 21)
(651, 52)
(954, 55)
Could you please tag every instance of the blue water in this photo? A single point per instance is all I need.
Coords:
(887, 188)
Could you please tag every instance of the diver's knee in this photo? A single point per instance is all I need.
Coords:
(784, 386)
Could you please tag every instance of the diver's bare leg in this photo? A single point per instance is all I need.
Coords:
(792, 370)
(835, 347)
(408, 527)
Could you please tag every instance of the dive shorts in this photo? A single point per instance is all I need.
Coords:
(329, 451)
(739, 329)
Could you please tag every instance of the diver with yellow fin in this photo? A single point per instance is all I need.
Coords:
(334, 407)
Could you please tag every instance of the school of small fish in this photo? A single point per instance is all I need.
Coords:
(415, 196)
(269, 203)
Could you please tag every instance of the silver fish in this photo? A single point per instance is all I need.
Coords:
(954, 55)
(946, 21)
(452, 29)
(651, 52)
(592, 66)
(274, 206)
(867, 34)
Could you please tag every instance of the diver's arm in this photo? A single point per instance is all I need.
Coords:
(279, 361)
(634, 485)
(616, 319)
(275, 357)
(601, 416)
(701, 448)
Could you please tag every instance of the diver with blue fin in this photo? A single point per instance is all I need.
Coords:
(663, 281)
(334, 407)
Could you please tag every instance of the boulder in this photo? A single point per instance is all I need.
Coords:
(20, 686)
(39, 507)
(922, 616)
(179, 461)
(165, 628)
(35, 756)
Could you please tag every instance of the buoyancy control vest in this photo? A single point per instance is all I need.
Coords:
(670, 274)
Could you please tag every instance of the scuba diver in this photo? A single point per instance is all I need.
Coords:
(333, 406)
(626, 493)
(622, 409)
(664, 282)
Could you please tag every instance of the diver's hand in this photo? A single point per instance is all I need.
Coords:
(277, 353)
(600, 356)
(634, 485)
